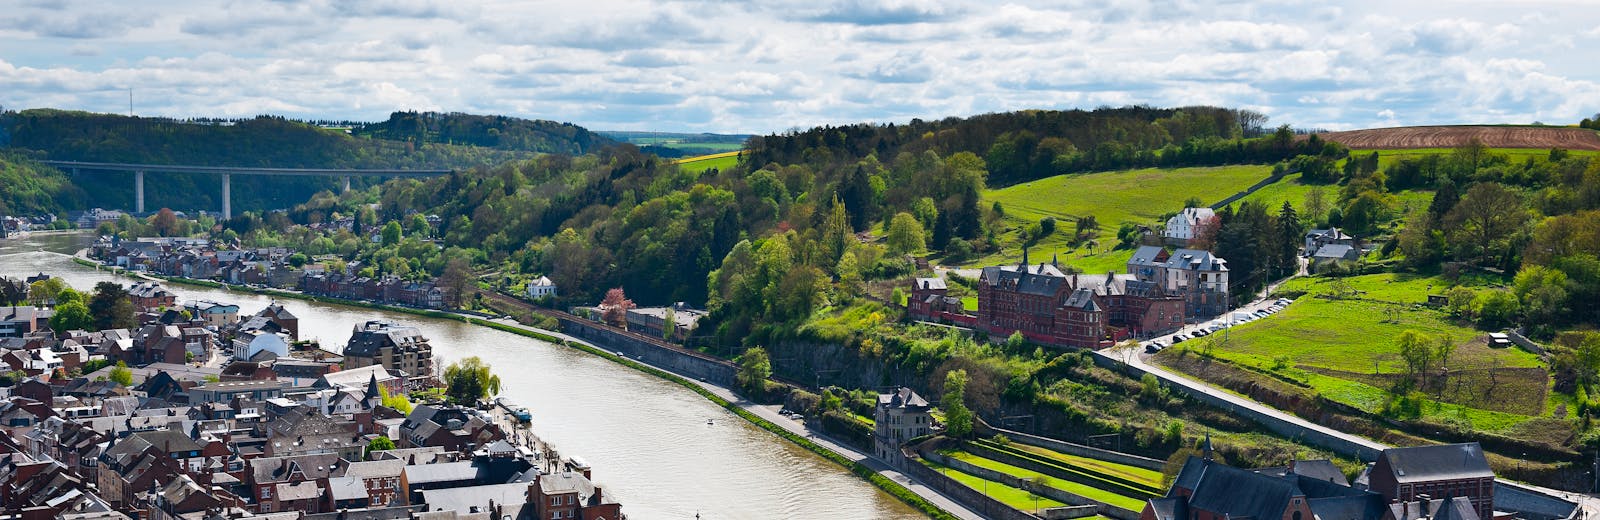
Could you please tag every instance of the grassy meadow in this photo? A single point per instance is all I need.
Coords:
(1142, 196)
(1346, 350)
(720, 161)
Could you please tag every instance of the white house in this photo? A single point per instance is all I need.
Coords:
(1186, 223)
(276, 343)
(541, 287)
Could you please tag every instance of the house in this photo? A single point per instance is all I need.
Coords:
(224, 391)
(391, 346)
(379, 479)
(279, 483)
(570, 494)
(1197, 276)
(899, 417)
(453, 428)
(1334, 255)
(652, 321)
(151, 295)
(541, 287)
(362, 379)
(1444, 470)
(20, 320)
(1317, 238)
(286, 321)
(1188, 224)
(930, 300)
(212, 313)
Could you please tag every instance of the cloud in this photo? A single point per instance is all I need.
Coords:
(713, 65)
(886, 12)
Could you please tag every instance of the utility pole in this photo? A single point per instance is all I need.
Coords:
(130, 101)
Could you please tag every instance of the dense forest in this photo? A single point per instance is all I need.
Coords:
(1025, 145)
(263, 141)
(499, 132)
(30, 188)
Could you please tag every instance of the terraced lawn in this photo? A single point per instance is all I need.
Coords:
(1083, 490)
(1133, 473)
(1008, 495)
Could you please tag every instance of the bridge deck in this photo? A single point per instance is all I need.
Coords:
(307, 172)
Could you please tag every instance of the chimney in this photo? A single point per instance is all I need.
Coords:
(1423, 505)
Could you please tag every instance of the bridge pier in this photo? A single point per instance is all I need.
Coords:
(346, 184)
(138, 191)
(227, 196)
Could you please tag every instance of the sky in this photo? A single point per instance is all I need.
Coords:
(761, 67)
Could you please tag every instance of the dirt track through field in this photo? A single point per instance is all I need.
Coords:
(1453, 136)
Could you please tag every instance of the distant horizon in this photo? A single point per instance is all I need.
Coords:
(692, 66)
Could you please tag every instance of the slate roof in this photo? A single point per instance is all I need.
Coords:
(462, 500)
(377, 334)
(347, 488)
(1237, 492)
(1082, 299)
(1146, 256)
(1438, 462)
(1197, 260)
(566, 482)
(443, 472)
(375, 468)
(902, 398)
(930, 283)
(1320, 469)
(1333, 251)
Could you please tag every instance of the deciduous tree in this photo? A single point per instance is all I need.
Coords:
(614, 308)
(469, 380)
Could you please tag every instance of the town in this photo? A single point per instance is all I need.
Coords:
(200, 411)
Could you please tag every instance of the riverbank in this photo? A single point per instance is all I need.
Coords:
(923, 499)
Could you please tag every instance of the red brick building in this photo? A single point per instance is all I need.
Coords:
(1053, 308)
(1446, 470)
(930, 300)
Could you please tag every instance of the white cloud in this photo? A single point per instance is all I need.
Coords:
(709, 65)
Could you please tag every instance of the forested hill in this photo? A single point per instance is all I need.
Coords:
(30, 188)
(1025, 145)
(501, 132)
(260, 142)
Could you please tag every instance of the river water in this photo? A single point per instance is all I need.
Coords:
(647, 439)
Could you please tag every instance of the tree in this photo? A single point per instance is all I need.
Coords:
(378, 444)
(669, 323)
(469, 380)
(1459, 302)
(398, 403)
(1443, 348)
(72, 315)
(614, 308)
(1315, 206)
(1415, 351)
(68, 295)
(12, 292)
(957, 417)
(165, 222)
(111, 307)
(905, 234)
(391, 233)
(1485, 219)
(1496, 309)
(121, 375)
(43, 293)
(754, 369)
(456, 280)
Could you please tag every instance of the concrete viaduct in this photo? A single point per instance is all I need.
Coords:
(227, 174)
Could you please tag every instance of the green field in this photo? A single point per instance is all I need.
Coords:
(1113, 198)
(1140, 475)
(1346, 350)
(720, 161)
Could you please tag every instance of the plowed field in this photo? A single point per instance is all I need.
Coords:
(1452, 136)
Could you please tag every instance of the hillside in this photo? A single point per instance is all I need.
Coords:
(30, 188)
(259, 142)
(498, 132)
(1452, 136)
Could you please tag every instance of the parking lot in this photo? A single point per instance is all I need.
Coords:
(1256, 310)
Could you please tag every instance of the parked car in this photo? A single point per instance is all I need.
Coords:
(1179, 339)
(1151, 348)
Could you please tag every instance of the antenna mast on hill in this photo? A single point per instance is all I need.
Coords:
(130, 102)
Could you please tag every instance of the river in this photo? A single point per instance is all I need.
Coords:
(647, 439)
